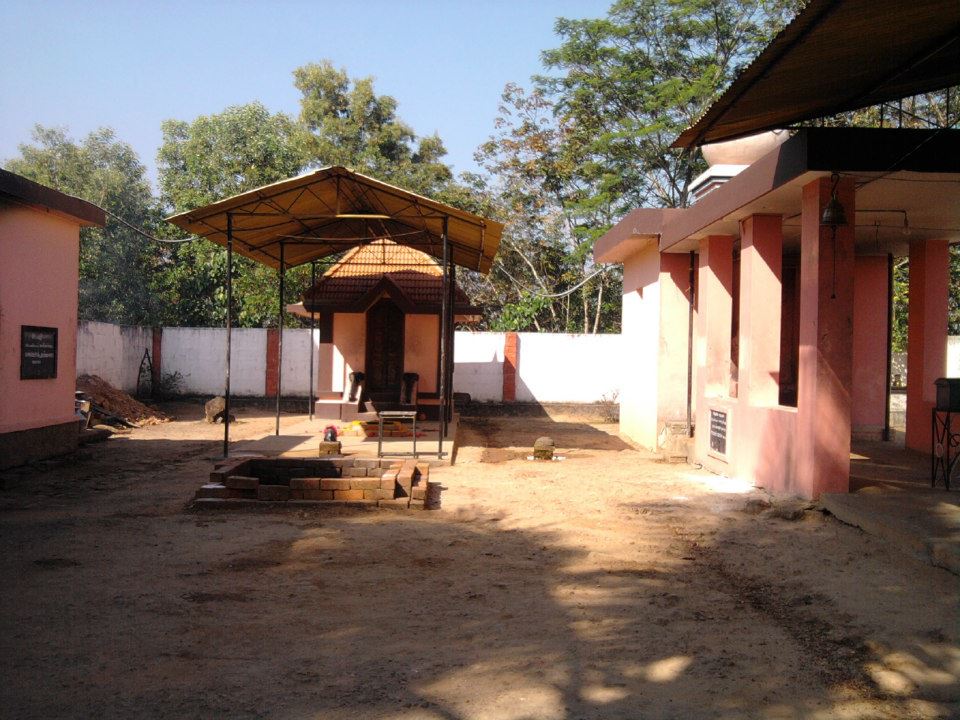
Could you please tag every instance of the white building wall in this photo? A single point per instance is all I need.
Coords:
(552, 367)
(568, 368)
(113, 352)
(953, 356)
(953, 361)
(478, 364)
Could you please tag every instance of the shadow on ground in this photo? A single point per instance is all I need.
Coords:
(460, 614)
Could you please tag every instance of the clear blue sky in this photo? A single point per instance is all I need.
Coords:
(130, 65)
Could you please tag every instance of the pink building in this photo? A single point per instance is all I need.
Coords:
(761, 313)
(39, 256)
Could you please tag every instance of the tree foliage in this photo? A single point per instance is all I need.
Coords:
(591, 141)
(118, 268)
(551, 225)
(628, 84)
(341, 122)
(349, 124)
(209, 159)
(568, 156)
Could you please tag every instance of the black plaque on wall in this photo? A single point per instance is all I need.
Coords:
(718, 431)
(38, 352)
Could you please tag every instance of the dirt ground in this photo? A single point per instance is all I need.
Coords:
(606, 585)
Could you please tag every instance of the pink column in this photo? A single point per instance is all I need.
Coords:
(273, 363)
(826, 329)
(511, 361)
(674, 332)
(716, 310)
(927, 335)
(713, 323)
(761, 252)
(869, 347)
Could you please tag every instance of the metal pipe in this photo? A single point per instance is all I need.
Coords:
(889, 393)
(691, 290)
(313, 281)
(444, 330)
(451, 337)
(280, 337)
(226, 395)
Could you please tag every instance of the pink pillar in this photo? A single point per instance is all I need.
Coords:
(273, 363)
(511, 361)
(157, 362)
(927, 335)
(713, 323)
(716, 310)
(826, 329)
(674, 332)
(761, 253)
(868, 410)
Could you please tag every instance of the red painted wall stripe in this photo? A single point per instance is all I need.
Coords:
(156, 351)
(273, 362)
(511, 361)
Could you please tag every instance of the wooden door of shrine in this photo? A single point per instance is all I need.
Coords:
(384, 361)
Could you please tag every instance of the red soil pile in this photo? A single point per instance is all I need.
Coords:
(118, 402)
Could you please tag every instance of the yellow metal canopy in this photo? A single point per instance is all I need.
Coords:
(329, 210)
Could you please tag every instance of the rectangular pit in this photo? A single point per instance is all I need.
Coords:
(278, 480)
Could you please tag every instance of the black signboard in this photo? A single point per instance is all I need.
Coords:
(718, 431)
(38, 352)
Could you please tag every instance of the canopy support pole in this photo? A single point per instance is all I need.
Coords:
(451, 320)
(226, 393)
(313, 281)
(444, 331)
(280, 336)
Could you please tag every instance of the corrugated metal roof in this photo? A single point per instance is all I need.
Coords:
(324, 212)
(836, 56)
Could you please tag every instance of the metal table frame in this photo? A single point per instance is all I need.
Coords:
(946, 447)
(397, 415)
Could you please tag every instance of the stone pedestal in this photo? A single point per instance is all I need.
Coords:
(330, 447)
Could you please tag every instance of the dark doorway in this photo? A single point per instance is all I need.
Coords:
(384, 347)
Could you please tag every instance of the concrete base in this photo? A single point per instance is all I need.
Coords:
(925, 523)
(26, 446)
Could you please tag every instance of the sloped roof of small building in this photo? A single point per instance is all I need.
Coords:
(413, 279)
(22, 191)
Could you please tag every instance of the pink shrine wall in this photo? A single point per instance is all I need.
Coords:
(347, 352)
(39, 256)
(349, 347)
(421, 344)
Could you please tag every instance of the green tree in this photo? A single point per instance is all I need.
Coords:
(341, 122)
(544, 274)
(117, 265)
(627, 84)
(591, 141)
(209, 159)
(901, 299)
(350, 125)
